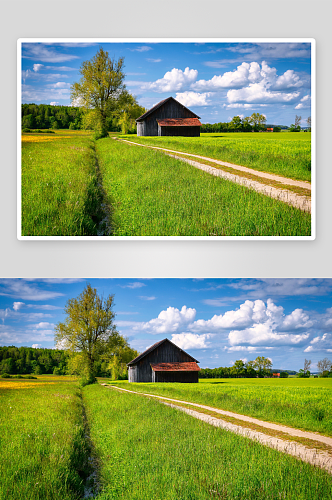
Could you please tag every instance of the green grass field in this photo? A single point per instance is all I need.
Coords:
(60, 195)
(43, 451)
(301, 403)
(68, 179)
(155, 195)
(49, 429)
(287, 154)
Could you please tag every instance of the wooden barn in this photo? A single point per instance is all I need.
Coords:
(169, 117)
(163, 362)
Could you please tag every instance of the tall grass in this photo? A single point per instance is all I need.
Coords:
(155, 195)
(42, 443)
(287, 154)
(295, 402)
(60, 194)
(149, 451)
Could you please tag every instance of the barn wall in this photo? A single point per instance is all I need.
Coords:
(165, 353)
(179, 131)
(171, 109)
(184, 377)
(140, 128)
(132, 374)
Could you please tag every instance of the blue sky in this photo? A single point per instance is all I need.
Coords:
(216, 320)
(215, 80)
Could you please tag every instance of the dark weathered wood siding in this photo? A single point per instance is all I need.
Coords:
(170, 109)
(185, 377)
(179, 131)
(165, 353)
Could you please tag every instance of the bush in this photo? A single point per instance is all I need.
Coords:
(6, 375)
(26, 130)
(91, 379)
(283, 375)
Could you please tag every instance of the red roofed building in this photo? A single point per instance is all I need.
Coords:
(163, 362)
(169, 118)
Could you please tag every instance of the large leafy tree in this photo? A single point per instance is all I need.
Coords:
(100, 88)
(89, 328)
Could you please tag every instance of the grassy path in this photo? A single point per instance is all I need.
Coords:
(285, 154)
(264, 175)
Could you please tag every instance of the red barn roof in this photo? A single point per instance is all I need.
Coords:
(175, 367)
(179, 122)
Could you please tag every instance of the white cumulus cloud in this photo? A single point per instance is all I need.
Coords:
(173, 80)
(18, 305)
(171, 320)
(189, 98)
(191, 340)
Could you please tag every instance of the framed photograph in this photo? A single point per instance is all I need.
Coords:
(181, 139)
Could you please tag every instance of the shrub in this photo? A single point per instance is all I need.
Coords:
(283, 375)
(26, 130)
(5, 375)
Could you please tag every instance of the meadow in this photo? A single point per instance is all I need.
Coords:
(43, 450)
(285, 153)
(60, 194)
(302, 403)
(58, 440)
(152, 194)
(75, 186)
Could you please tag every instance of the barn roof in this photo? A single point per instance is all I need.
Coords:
(179, 122)
(175, 367)
(152, 348)
(156, 106)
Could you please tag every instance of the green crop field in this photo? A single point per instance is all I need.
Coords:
(54, 435)
(71, 182)
(286, 153)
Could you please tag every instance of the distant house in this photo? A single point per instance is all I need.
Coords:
(275, 375)
(163, 362)
(269, 129)
(169, 118)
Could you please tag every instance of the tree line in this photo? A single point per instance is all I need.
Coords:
(29, 360)
(260, 367)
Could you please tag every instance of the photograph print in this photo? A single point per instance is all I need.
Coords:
(165, 138)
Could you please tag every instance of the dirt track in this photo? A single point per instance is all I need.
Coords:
(307, 453)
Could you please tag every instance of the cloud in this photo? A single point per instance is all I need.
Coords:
(191, 340)
(19, 288)
(171, 320)
(265, 335)
(54, 103)
(248, 313)
(37, 67)
(142, 48)
(136, 284)
(189, 99)
(154, 60)
(258, 93)
(320, 343)
(173, 80)
(282, 287)
(4, 313)
(43, 325)
(145, 297)
(61, 85)
(36, 346)
(305, 103)
(43, 53)
(18, 305)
